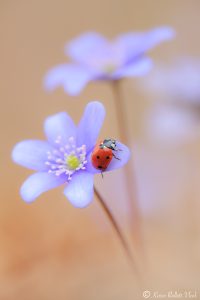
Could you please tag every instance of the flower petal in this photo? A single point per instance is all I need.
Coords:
(59, 125)
(136, 44)
(137, 68)
(31, 154)
(80, 49)
(72, 78)
(123, 154)
(39, 183)
(90, 125)
(80, 190)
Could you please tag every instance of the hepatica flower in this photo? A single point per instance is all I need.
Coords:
(96, 58)
(65, 157)
(178, 81)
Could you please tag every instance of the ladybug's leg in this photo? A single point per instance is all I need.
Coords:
(102, 175)
(116, 157)
(117, 149)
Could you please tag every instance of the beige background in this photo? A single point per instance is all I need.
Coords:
(50, 250)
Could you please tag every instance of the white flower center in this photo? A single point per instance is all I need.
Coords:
(67, 158)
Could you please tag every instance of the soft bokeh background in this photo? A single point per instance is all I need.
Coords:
(50, 250)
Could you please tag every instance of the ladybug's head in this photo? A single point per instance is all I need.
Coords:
(110, 143)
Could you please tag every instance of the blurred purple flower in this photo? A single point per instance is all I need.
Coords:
(169, 125)
(96, 58)
(178, 81)
(65, 156)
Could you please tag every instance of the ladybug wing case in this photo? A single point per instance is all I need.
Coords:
(101, 158)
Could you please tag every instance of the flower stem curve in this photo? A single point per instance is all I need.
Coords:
(135, 216)
(118, 231)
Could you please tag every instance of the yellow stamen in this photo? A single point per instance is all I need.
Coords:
(109, 68)
(73, 162)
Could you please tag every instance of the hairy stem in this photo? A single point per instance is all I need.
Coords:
(135, 221)
(117, 230)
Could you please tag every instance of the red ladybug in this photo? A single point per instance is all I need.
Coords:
(103, 154)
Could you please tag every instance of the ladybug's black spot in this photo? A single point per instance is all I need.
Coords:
(98, 156)
(100, 167)
(107, 157)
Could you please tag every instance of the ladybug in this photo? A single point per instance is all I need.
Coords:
(103, 154)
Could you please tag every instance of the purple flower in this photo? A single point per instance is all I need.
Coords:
(65, 157)
(95, 58)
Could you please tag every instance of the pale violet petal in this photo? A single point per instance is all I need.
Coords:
(90, 125)
(123, 154)
(59, 126)
(81, 48)
(72, 78)
(79, 191)
(137, 43)
(137, 68)
(31, 154)
(39, 183)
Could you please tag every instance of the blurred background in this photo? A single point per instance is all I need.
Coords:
(50, 250)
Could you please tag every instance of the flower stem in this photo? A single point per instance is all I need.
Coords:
(135, 217)
(117, 230)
